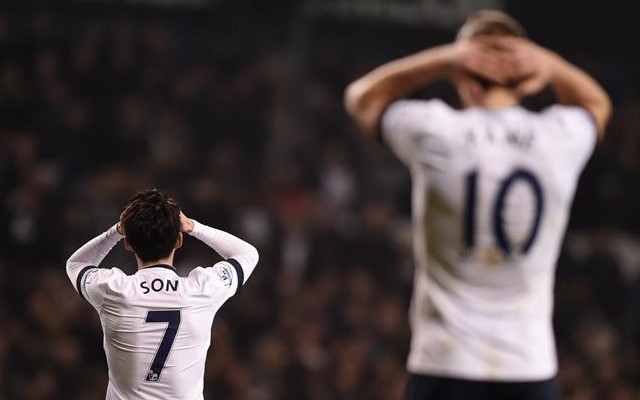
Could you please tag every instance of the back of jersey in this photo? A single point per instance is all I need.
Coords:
(157, 327)
(492, 192)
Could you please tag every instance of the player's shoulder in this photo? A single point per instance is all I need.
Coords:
(569, 114)
(409, 115)
(221, 275)
(570, 122)
(104, 275)
(94, 283)
(570, 130)
(408, 106)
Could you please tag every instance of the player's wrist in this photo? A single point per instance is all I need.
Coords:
(554, 65)
(118, 229)
(450, 61)
(196, 228)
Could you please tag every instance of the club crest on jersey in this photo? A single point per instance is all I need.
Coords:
(152, 376)
(225, 275)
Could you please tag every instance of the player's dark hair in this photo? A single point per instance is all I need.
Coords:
(151, 220)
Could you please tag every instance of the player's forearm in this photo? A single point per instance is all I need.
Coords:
(572, 86)
(367, 97)
(93, 252)
(228, 246)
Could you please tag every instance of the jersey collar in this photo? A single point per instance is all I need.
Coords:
(165, 266)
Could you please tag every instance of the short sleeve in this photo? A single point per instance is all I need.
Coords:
(406, 124)
(93, 284)
(223, 279)
(576, 133)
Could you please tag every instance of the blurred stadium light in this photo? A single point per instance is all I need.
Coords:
(444, 14)
(156, 3)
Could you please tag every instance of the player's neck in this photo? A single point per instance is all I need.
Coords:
(498, 98)
(163, 261)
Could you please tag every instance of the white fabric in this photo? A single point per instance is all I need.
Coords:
(484, 311)
(124, 303)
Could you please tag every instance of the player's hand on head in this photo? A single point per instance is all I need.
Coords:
(481, 58)
(186, 224)
(530, 65)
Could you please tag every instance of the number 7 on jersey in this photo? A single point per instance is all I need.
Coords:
(172, 317)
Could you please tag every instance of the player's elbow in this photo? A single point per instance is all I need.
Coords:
(72, 263)
(73, 267)
(252, 255)
(363, 106)
(607, 110)
(353, 100)
(602, 111)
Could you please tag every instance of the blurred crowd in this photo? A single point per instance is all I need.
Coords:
(238, 112)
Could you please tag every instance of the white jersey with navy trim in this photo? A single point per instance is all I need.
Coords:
(156, 324)
(492, 193)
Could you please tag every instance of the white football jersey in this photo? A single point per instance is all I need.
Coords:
(492, 193)
(156, 324)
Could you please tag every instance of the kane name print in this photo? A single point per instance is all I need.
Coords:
(521, 138)
(159, 285)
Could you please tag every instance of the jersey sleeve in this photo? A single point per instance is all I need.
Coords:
(407, 126)
(241, 257)
(83, 266)
(221, 281)
(94, 284)
(574, 133)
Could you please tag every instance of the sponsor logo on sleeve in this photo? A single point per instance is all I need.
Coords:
(89, 277)
(225, 274)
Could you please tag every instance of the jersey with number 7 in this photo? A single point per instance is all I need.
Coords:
(156, 324)
(492, 193)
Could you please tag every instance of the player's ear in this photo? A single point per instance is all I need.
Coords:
(127, 245)
(469, 89)
(178, 241)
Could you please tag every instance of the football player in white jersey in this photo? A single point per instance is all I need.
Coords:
(493, 185)
(156, 324)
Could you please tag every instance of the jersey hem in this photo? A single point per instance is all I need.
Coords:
(476, 376)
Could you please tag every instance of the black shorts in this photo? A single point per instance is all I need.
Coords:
(427, 387)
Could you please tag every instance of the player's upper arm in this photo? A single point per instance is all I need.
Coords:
(365, 106)
(573, 86)
(601, 113)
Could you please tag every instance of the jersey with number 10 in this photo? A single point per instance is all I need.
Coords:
(492, 193)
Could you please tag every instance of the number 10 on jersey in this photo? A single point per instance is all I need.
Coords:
(498, 230)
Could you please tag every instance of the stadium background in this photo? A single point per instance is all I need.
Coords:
(235, 107)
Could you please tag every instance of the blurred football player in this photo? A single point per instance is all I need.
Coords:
(493, 185)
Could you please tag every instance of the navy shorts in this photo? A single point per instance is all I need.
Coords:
(427, 387)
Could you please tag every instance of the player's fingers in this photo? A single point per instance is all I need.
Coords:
(519, 60)
(510, 43)
(522, 66)
(488, 65)
(120, 228)
(186, 224)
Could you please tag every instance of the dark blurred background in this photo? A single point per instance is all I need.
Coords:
(235, 107)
